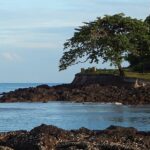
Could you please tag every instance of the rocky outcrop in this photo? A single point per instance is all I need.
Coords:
(42, 93)
(50, 137)
(86, 88)
(103, 79)
(5, 148)
(87, 93)
(106, 79)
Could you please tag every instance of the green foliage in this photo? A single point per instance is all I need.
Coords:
(147, 20)
(100, 71)
(141, 60)
(128, 73)
(131, 74)
(112, 38)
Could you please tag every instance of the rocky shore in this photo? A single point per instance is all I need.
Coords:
(47, 137)
(87, 93)
(85, 88)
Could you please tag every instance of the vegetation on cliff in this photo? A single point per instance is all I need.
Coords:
(128, 73)
(114, 38)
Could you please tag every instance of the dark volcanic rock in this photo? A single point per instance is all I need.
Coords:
(88, 93)
(5, 148)
(52, 138)
(44, 86)
(85, 88)
(103, 79)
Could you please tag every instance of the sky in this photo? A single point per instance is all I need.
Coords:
(32, 33)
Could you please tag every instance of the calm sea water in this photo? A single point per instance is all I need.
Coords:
(6, 87)
(18, 116)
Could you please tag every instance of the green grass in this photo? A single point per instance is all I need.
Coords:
(131, 74)
(145, 76)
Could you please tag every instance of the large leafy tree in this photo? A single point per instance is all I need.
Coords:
(109, 37)
(147, 20)
(141, 60)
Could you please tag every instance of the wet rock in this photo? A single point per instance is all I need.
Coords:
(44, 86)
(87, 93)
(72, 146)
(47, 137)
(5, 148)
(115, 146)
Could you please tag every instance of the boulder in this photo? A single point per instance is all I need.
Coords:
(48, 137)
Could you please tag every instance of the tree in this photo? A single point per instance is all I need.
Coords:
(147, 20)
(141, 60)
(110, 38)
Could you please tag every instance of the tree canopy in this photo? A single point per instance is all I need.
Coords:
(111, 38)
(147, 20)
(141, 61)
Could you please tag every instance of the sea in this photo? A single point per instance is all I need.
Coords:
(69, 115)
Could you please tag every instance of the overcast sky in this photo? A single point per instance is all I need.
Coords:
(32, 33)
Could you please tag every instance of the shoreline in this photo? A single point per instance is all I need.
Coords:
(46, 137)
(91, 93)
(100, 103)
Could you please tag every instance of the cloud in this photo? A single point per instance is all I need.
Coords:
(41, 37)
(24, 26)
(10, 56)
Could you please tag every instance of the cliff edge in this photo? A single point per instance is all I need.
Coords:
(86, 88)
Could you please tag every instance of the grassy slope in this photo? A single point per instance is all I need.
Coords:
(145, 76)
(131, 74)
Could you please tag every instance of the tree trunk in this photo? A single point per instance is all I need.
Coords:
(121, 71)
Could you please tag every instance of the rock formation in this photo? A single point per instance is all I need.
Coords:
(49, 137)
(84, 89)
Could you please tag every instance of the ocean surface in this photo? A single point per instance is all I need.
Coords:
(6, 87)
(25, 116)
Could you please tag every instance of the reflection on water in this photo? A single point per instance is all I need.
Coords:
(16, 116)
